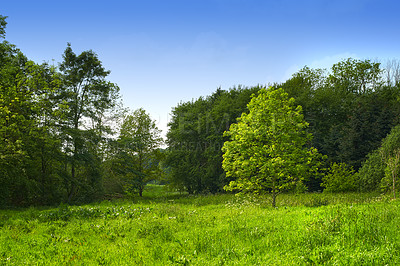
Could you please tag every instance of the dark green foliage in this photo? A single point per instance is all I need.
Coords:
(56, 124)
(371, 172)
(89, 96)
(378, 171)
(48, 151)
(3, 24)
(195, 139)
(349, 110)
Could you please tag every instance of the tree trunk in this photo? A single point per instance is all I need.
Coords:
(73, 186)
(274, 194)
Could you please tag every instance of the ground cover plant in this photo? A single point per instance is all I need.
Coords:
(179, 229)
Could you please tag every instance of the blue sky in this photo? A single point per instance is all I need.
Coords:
(161, 52)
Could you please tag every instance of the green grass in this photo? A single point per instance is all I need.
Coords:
(173, 229)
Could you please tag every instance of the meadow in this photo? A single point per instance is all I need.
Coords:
(175, 229)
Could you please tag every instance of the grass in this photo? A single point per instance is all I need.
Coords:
(174, 229)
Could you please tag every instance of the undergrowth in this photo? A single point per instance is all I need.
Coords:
(330, 229)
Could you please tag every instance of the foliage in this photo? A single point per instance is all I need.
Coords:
(3, 24)
(381, 169)
(371, 172)
(57, 136)
(267, 148)
(137, 156)
(88, 96)
(356, 76)
(195, 138)
(348, 108)
(340, 178)
(390, 152)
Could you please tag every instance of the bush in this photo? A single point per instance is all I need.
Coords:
(371, 172)
(340, 178)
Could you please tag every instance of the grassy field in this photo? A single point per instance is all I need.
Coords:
(175, 229)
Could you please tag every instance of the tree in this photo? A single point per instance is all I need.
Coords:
(340, 178)
(382, 166)
(267, 150)
(392, 72)
(390, 152)
(3, 24)
(356, 76)
(195, 138)
(138, 152)
(89, 96)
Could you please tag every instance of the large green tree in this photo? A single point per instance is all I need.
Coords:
(268, 148)
(88, 96)
(28, 142)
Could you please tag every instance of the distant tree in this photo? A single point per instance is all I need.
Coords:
(3, 24)
(267, 150)
(340, 178)
(138, 155)
(390, 152)
(348, 108)
(371, 172)
(356, 76)
(392, 72)
(88, 96)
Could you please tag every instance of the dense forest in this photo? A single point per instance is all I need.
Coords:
(66, 137)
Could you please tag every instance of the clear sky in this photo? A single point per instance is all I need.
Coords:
(161, 52)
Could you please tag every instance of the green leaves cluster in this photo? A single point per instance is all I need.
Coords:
(53, 127)
(340, 178)
(267, 150)
(137, 153)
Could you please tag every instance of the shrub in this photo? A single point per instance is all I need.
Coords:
(340, 178)
(371, 172)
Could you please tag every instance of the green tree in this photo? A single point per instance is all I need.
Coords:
(267, 150)
(382, 166)
(390, 152)
(356, 76)
(3, 24)
(348, 108)
(138, 155)
(89, 96)
(340, 178)
(195, 138)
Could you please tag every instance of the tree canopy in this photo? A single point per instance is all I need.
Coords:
(137, 154)
(267, 150)
(65, 135)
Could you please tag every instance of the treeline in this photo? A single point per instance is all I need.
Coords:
(350, 109)
(66, 137)
(64, 134)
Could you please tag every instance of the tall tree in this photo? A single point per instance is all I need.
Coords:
(88, 95)
(3, 24)
(267, 150)
(137, 158)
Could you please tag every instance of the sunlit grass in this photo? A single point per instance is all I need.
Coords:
(174, 229)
